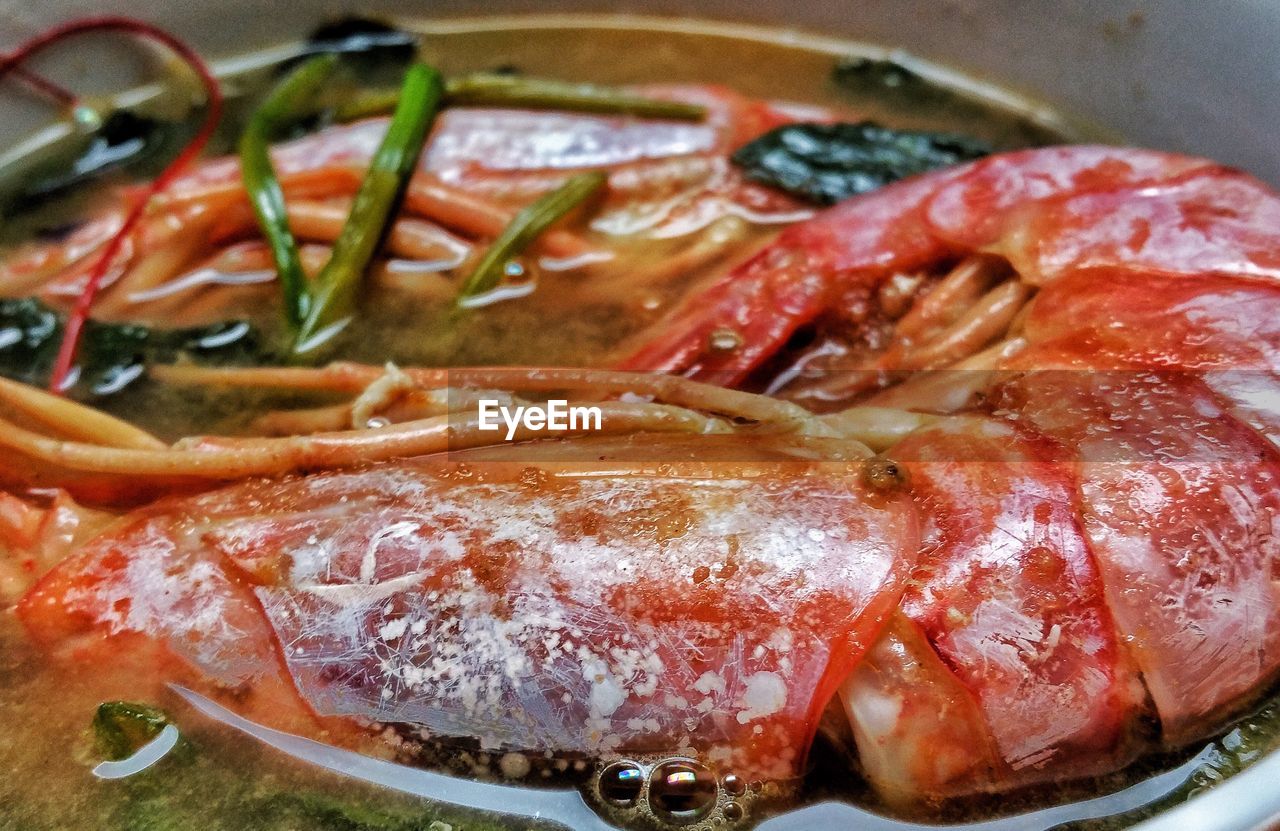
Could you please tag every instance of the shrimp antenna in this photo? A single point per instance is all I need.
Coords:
(12, 64)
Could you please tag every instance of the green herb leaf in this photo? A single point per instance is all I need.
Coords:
(527, 226)
(121, 727)
(826, 163)
(111, 355)
(368, 42)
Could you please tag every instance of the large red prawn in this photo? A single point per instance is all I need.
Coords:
(1054, 554)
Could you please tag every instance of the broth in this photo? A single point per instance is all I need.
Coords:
(419, 330)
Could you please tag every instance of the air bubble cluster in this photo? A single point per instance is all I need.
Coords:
(676, 793)
(682, 792)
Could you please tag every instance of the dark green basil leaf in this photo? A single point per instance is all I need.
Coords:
(112, 355)
(825, 163)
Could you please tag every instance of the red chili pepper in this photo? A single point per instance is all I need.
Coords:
(49, 88)
(12, 63)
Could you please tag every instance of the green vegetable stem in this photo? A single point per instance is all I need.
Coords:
(338, 283)
(283, 104)
(526, 227)
(485, 89)
(314, 313)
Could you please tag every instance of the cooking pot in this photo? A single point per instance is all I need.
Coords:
(1200, 77)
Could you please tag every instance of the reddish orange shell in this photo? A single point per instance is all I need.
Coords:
(532, 606)
(1181, 505)
(1009, 595)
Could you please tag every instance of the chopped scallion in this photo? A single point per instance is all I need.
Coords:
(337, 285)
(283, 104)
(485, 89)
(527, 226)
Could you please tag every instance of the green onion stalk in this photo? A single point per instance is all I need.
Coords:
(282, 106)
(338, 283)
(525, 228)
(492, 90)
